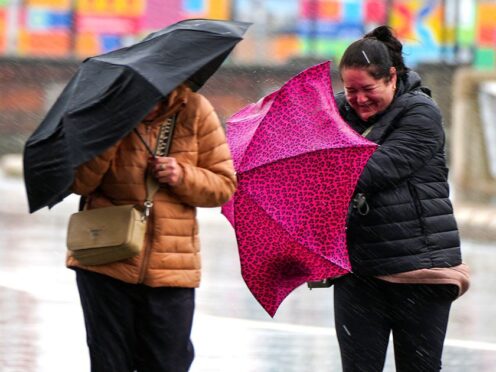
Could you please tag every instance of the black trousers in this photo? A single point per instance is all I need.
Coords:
(132, 327)
(367, 310)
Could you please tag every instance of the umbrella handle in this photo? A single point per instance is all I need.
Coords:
(360, 204)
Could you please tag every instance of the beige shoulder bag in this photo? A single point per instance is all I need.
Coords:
(103, 235)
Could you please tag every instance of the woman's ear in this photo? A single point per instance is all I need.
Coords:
(393, 75)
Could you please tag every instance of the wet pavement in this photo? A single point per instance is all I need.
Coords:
(41, 325)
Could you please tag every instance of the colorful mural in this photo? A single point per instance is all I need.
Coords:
(454, 31)
(101, 25)
(45, 28)
(328, 26)
(81, 28)
(420, 25)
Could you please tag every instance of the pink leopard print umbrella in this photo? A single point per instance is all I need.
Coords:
(297, 164)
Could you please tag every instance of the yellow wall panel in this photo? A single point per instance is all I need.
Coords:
(52, 4)
(435, 24)
(86, 45)
(128, 8)
(219, 9)
(486, 14)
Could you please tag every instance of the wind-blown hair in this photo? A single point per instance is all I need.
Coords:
(377, 52)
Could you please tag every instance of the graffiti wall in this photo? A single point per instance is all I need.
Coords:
(80, 28)
(454, 31)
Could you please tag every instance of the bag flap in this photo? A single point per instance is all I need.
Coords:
(102, 227)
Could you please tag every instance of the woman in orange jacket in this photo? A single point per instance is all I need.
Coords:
(138, 312)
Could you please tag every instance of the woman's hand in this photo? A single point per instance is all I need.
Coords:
(166, 170)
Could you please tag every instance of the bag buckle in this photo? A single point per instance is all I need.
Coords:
(148, 205)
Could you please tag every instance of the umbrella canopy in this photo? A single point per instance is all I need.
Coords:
(110, 94)
(297, 165)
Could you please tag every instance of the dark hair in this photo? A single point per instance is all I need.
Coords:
(377, 51)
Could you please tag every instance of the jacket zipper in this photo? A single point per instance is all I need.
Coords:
(147, 250)
(148, 244)
(420, 213)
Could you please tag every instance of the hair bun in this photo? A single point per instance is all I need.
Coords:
(382, 33)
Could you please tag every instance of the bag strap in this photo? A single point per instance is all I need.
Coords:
(368, 130)
(164, 138)
(162, 149)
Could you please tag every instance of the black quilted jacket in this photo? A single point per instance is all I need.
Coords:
(405, 221)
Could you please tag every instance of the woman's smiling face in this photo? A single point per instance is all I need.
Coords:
(365, 94)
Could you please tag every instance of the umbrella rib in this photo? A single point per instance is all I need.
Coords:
(145, 41)
(129, 68)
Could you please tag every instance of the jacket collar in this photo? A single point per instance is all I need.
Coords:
(409, 82)
(177, 99)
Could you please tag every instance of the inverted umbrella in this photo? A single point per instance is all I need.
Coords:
(297, 164)
(111, 93)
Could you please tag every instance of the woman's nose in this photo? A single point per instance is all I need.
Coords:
(361, 97)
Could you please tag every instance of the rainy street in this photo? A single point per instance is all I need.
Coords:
(303, 90)
(42, 330)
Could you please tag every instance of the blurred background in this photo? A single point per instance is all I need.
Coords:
(451, 43)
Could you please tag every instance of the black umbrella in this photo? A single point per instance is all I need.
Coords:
(111, 93)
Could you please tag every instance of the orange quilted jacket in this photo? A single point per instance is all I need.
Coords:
(171, 252)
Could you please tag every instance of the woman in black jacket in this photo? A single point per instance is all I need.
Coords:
(402, 236)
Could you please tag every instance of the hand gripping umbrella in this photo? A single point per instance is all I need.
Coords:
(297, 164)
(111, 93)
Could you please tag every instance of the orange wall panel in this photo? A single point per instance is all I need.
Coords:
(285, 47)
(53, 44)
(486, 14)
(330, 10)
(87, 44)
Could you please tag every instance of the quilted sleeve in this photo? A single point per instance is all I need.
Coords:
(212, 181)
(417, 137)
(89, 175)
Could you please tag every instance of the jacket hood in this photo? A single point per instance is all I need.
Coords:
(409, 82)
